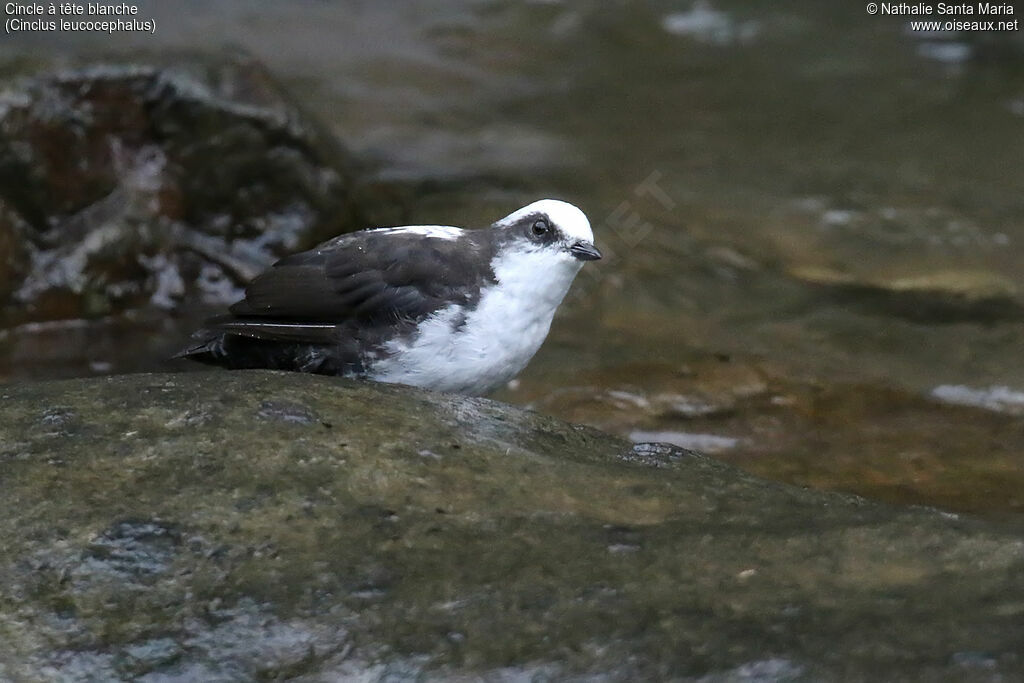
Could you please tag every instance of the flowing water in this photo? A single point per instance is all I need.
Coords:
(813, 217)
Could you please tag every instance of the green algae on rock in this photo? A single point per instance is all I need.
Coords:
(283, 526)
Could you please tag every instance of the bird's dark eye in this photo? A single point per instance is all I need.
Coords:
(540, 227)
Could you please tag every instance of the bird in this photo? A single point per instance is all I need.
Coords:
(432, 306)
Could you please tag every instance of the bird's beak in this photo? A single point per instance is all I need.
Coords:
(585, 251)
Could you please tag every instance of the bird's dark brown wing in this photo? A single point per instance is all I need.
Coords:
(371, 277)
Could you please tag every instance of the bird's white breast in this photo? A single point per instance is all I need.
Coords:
(495, 340)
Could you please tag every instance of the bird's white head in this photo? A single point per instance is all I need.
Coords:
(551, 226)
(539, 250)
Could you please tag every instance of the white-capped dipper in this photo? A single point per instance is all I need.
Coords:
(433, 306)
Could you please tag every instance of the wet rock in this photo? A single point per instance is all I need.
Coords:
(246, 545)
(286, 411)
(129, 553)
(123, 185)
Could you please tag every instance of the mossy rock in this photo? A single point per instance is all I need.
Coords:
(272, 526)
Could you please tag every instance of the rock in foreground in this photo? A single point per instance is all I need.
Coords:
(258, 525)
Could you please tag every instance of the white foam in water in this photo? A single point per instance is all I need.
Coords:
(708, 443)
(704, 23)
(946, 52)
(999, 399)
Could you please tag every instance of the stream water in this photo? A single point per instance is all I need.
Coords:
(813, 217)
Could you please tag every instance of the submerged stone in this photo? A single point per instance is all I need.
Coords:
(947, 296)
(312, 528)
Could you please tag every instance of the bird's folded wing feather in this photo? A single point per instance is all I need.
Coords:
(370, 277)
(271, 330)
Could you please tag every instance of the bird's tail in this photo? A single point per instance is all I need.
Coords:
(207, 347)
